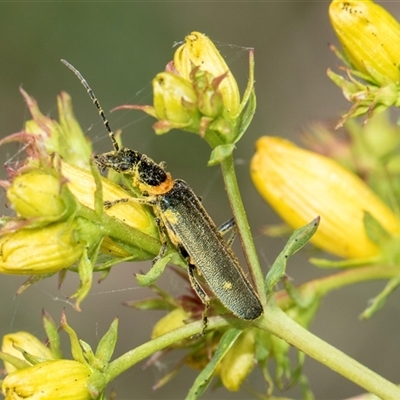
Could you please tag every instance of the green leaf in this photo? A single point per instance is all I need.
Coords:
(220, 153)
(76, 349)
(359, 262)
(15, 361)
(52, 334)
(156, 270)
(151, 304)
(247, 116)
(204, 378)
(375, 231)
(106, 346)
(298, 239)
(379, 301)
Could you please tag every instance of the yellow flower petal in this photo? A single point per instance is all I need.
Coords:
(301, 185)
(370, 37)
(36, 194)
(238, 362)
(82, 186)
(173, 320)
(49, 380)
(41, 250)
(174, 98)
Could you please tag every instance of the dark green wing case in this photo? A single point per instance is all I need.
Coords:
(185, 217)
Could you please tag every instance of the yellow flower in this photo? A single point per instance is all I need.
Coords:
(36, 194)
(82, 186)
(199, 51)
(370, 37)
(27, 342)
(40, 250)
(174, 101)
(301, 185)
(173, 320)
(49, 380)
(238, 362)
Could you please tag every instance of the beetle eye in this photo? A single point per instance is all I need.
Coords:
(124, 166)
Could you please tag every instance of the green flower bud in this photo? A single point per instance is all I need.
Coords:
(36, 194)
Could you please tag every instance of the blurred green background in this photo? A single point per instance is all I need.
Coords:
(119, 47)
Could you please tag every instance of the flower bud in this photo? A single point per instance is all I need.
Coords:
(175, 101)
(82, 186)
(238, 362)
(199, 51)
(64, 138)
(173, 320)
(36, 194)
(300, 185)
(57, 379)
(40, 250)
(209, 97)
(27, 342)
(370, 37)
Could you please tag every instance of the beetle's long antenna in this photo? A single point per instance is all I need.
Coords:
(95, 102)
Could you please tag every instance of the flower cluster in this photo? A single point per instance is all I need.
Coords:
(39, 371)
(198, 93)
(57, 196)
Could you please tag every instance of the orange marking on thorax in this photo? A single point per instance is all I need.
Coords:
(165, 187)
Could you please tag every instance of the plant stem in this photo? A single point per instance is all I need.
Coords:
(322, 286)
(274, 321)
(278, 323)
(148, 245)
(132, 357)
(232, 188)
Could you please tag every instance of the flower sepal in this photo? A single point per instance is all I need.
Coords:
(368, 99)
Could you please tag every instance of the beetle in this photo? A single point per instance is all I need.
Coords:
(182, 217)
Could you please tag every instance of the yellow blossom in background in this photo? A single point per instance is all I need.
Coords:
(199, 51)
(173, 320)
(49, 380)
(300, 185)
(239, 361)
(40, 250)
(370, 37)
(26, 341)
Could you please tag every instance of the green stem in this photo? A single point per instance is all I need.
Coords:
(274, 321)
(322, 286)
(232, 188)
(132, 357)
(116, 229)
(278, 323)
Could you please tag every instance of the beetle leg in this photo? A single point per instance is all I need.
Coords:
(201, 293)
(227, 226)
(141, 200)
